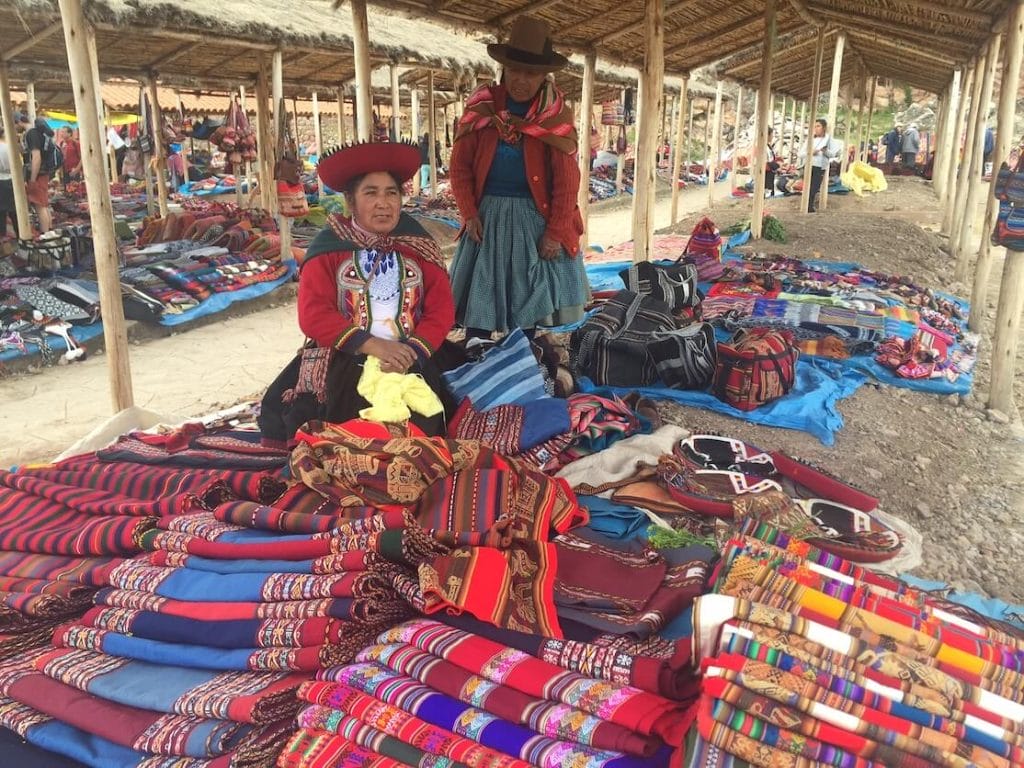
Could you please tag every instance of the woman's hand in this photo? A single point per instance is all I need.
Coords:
(394, 356)
(475, 229)
(549, 248)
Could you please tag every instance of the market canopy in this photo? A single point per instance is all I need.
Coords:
(175, 40)
(918, 42)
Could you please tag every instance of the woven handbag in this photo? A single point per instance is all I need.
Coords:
(686, 358)
(705, 238)
(612, 347)
(1009, 182)
(756, 367)
(676, 285)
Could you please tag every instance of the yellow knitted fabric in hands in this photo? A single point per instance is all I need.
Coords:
(392, 395)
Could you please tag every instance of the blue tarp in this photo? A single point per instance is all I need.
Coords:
(810, 407)
(82, 334)
(221, 301)
(220, 189)
(992, 607)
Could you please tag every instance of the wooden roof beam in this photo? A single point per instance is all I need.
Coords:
(708, 53)
(530, 8)
(758, 45)
(911, 19)
(728, 69)
(29, 42)
(873, 40)
(635, 26)
(955, 9)
(802, 11)
(851, 20)
(737, 26)
(177, 53)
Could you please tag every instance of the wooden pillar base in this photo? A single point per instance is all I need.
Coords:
(1007, 338)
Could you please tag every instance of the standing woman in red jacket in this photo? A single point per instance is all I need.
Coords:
(371, 285)
(516, 178)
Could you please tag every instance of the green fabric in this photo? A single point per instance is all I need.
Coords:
(502, 283)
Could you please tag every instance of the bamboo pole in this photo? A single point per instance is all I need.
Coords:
(833, 103)
(280, 118)
(1008, 88)
(761, 153)
(941, 129)
(651, 79)
(109, 159)
(17, 171)
(1011, 289)
(159, 149)
(677, 153)
(955, 158)
(715, 155)
(586, 121)
(819, 56)
(414, 93)
(620, 163)
(361, 52)
(396, 105)
(318, 137)
(432, 131)
(86, 84)
(739, 126)
(969, 215)
(963, 182)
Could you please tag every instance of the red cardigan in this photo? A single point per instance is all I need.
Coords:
(554, 179)
(329, 311)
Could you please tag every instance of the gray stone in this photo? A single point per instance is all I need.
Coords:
(922, 461)
(923, 510)
(873, 473)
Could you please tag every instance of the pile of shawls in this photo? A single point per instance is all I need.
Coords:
(809, 659)
(425, 693)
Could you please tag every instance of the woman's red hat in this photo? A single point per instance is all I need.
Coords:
(338, 166)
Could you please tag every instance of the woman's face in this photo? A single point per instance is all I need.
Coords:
(522, 85)
(377, 203)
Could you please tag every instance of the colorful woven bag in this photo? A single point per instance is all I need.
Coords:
(705, 238)
(757, 366)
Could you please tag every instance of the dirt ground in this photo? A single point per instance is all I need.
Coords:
(937, 462)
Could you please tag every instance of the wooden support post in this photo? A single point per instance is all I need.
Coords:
(361, 51)
(30, 101)
(620, 162)
(715, 155)
(963, 182)
(792, 131)
(414, 93)
(159, 150)
(833, 104)
(739, 127)
(847, 143)
(17, 172)
(1011, 289)
(797, 135)
(396, 105)
(247, 164)
(763, 118)
(677, 151)
(105, 127)
(706, 151)
(1008, 88)
(868, 129)
(264, 139)
(812, 114)
(432, 132)
(318, 137)
(969, 215)
(956, 158)
(280, 120)
(651, 78)
(947, 139)
(689, 141)
(941, 129)
(340, 96)
(86, 83)
(586, 121)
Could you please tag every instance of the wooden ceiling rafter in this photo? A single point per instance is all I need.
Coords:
(31, 41)
(872, 40)
(691, 61)
(847, 20)
(890, 16)
(671, 8)
(737, 26)
(782, 57)
(182, 50)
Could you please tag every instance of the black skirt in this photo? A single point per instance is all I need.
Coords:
(280, 420)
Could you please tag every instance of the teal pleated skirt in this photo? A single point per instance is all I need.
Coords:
(502, 283)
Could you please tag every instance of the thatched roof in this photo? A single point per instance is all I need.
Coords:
(918, 42)
(205, 44)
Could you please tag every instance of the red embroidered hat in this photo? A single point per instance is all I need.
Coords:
(338, 166)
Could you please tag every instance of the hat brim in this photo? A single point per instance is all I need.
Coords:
(339, 167)
(500, 53)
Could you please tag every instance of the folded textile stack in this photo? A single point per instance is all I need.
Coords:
(809, 659)
(425, 693)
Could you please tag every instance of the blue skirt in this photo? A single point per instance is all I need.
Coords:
(502, 283)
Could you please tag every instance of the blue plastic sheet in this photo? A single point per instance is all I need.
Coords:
(82, 333)
(811, 407)
(992, 607)
(221, 301)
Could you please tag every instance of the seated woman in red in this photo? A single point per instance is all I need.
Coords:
(371, 285)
